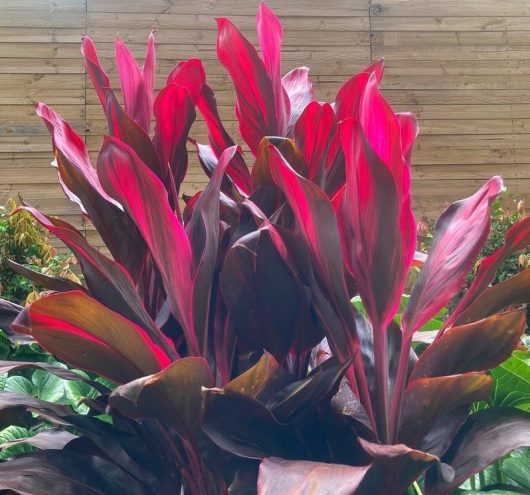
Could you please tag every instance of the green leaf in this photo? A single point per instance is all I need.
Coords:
(518, 469)
(19, 384)
(14, 433)
(512, 382)
(75, 391)
(47, 386)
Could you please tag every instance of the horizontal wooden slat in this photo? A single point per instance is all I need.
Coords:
(462, 66)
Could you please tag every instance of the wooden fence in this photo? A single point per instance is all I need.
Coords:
(463, 66)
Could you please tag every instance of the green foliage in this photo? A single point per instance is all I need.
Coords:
(24, 241)
(47, 387)
(512, 382)
(10, 434)
(501, 220)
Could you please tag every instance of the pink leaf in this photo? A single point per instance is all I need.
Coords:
(270, 36)
(220, 140)
(81, 184)
(459, 236)
(255, 100)
(145, 199)
(137, 82)
(190, 75)
(313, 134)
(377, 226)
(95, 71)
(174, 114)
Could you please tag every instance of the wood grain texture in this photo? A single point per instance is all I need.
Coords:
(462, 66)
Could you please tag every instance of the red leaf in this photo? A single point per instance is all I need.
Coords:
(122, 127)
(81, 184)
(106, 280)
(145, 199)
(409, 132)
(382, 129)
(316, 220)
(95, 71)
(377, 225)
(220, 140)
(255, 100)
(189, 75)
(349, 96)
(74, 151)
(270, 36)
(174, 113)
(137, 82)
(313, 134)
(83, 332)
(459, 236)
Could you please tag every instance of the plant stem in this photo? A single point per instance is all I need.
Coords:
(399, 385)
(381, 382)
(472, 482)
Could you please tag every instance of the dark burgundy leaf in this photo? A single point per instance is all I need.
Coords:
(516, 239)
(245, 427)
(106, 280)
(478, 346)
(203, 233)
(485, 437)
(81, 331)
(47, 281)
(304, 477)
(172, 396)
(58, 472)
(428, 399)
(513, 291)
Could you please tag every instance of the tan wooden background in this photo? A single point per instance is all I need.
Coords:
(463, 66)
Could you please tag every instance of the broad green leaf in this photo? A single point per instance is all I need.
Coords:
(518, 469)
(512, 382)
(14, 433)
(47, 386)
(19, 384)
(75, 391)
(110, 385)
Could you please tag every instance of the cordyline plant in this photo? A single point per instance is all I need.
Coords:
(241, 365)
